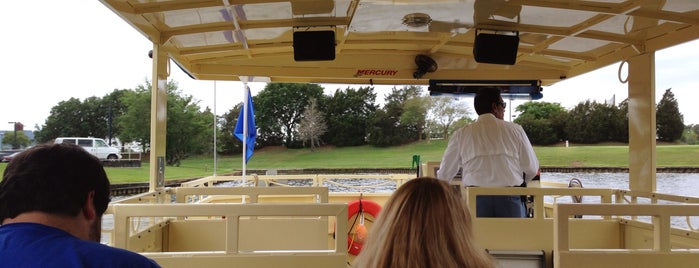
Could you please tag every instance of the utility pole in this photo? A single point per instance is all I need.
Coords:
(510, 106)
(109, 121)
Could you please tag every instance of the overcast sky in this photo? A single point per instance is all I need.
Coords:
(55, 50)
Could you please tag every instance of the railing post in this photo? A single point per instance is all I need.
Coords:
(661, 233)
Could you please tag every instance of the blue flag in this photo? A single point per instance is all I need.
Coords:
(252, 131)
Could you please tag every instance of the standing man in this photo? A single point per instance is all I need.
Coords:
(491, 153)
(52, 198)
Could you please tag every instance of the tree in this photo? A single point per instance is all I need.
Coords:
(386, 126)
(540, 110)
(19, 141)
(383, 132)
(312, 125)
(347, 114)
(53, 126)
(75, 118)
(444, 112)
(544, 122)
(415, 114)
(115, 108)
(227, 142)
(669, 121)
(278, 110)
(135, 122)
(689, 136)
(188, 129)
(92, 117)
(539, 131)
(577, 128)
(620, 126)
(592, 122)
(558, 123)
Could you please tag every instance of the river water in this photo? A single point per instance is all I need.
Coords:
(686, 184)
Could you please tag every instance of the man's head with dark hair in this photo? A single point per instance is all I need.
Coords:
(56, 179)
(488, 100)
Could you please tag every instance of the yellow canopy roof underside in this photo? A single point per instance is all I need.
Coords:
(559, 39)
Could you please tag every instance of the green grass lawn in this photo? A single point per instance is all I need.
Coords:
(398, 157)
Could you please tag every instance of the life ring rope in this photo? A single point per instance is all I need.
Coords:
(359, 207)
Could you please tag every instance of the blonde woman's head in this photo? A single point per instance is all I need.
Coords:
(423, 224)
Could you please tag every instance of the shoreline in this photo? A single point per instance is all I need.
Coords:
(557, 169)
(142, 187)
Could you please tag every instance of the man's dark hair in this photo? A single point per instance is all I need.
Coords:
(53, 178)
(485, 97)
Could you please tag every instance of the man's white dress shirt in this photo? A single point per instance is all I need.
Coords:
(492, 152)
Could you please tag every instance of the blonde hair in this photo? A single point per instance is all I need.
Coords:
(423, 224)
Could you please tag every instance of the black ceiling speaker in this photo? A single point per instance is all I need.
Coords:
(496, 48)
(425, 64)
(314, 46)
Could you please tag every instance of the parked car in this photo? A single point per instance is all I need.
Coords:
(7, 158)
(96, 146)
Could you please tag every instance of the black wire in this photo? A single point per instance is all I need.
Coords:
(359, 213)
(349, 230)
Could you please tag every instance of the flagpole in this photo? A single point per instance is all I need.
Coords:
(215, 160)
(245, 129)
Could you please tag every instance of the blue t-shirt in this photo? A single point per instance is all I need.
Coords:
(37, 245)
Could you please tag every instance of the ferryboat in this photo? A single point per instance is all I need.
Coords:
(451, 46)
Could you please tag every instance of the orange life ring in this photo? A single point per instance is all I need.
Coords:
(370, 207)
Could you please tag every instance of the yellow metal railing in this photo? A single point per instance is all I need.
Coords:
(664, 253)
(605, 230)
(605, 195)
(317, 194)
(317, 180)
(232, 216)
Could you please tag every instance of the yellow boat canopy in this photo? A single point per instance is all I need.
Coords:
(377, 41)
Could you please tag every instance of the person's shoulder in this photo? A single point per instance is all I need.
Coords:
(513, 126)
(107, 256)
(461, 130)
